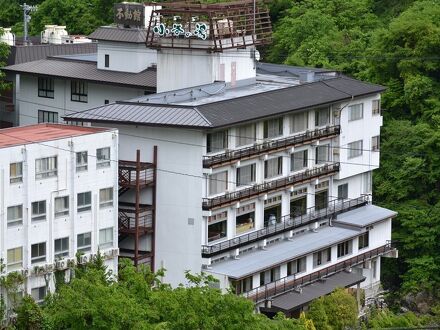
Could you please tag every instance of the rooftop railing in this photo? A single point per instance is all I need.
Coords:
(232, 197)
(270, 146)
(286, 223)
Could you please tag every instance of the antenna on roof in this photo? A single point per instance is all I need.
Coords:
(26, 19)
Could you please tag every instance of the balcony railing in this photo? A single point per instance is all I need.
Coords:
(229, 198)
(288, 222)
(270, 146)
(127, 175)
(289, 283)
(127, 217)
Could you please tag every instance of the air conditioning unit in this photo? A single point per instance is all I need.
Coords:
(61, 264)
(83, 259)
(25, 272)
(70, 263)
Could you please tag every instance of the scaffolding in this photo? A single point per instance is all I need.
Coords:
(136, 219)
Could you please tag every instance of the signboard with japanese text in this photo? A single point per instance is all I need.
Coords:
(129, 14)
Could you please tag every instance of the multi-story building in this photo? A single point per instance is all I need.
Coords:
(262, 180)
(58, 197)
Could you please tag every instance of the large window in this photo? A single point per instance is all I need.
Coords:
(84, 242)
(38, 252)
(84, 201)
(105, 197)
(217, 141)
(343, 191)
(218, 183)
(272, 210)
(298, 160)
(273, 167)
(364, 240)
(217, 230)
(246, 134)
(322, 154)
(61, 206)
(103, 157)
(78, 91)
(245, 219)
(355, 149)
(296, 266)
(15, 215)
(81, 161)
(345, 248)
(270, 275)
(322, 257)
(322, 117)
(355, 112)
(106, 238)
(273, 128)
(15, 259)
(321, 200)
(39, 210)
(376, 107)
(246, 175)
(45, 167)
(16, 172)
(61, 247)
(45, 87)
(243, 285)
(298, 122)
(47, 116)
(298, 206)
(375, 143)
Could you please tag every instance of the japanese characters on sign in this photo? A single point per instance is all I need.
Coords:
(129, 14)
(200, 31)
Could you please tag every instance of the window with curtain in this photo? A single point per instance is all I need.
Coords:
(364, 240)
(246, 134)
(273, 128)
(298, 160)
(79, 91)
(105, 197)
(322, 257)
(218, 183)
(216, 141)
(106, 238)
(322, 117)
(345, 248)
(246, 174)
(298, 122)
(355, 149)
(273, 167)
(322, 154)
(355, 112)
(376, 107)
(296, 266)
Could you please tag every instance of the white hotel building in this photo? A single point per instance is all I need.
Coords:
(58, 197)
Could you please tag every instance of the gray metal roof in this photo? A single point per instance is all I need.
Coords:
(136, 114)
(293, 300)
(117, 34)
(85, 70)
(23, 54)
(235, 110)
(284, 251)
(364, 216)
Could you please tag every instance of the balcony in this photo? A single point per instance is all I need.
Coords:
(288, 222)
(270, 146)
(127, 218)
(289, 283)
(127, 175)
(259, 189)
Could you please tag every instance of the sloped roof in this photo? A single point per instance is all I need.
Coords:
(117, 34)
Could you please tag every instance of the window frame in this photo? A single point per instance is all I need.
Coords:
(64, 212)
(106, 203)
(253, 170)
(79, 91)
(12, 266)
(46, 87)
(266, 127)
(38, 216)
(44, 116)
(376, 110)
(305, 160)
(16, 178)
(86, 247)
(216, 182)
(220, 136)
(344, 249)
(48, 173)
(318, 113)
(343, 191)
(82, 166)
(106, 60)
(83, 207)
(305, 114)
(375, 143)
(319, 257)
(40, 257)
(100, 161)
(16, 221)
(244, 140)
(40, 289)
(364, 237)
(317, 159)
(64, 251)
(107, 243)
(279, 167)
(354, 151)
(355, 116)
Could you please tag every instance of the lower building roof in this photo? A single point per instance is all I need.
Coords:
(364, 216)
(120, 34)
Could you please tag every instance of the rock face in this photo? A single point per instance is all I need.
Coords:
(420, 302)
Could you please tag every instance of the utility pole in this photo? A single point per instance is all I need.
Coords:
(26, 19)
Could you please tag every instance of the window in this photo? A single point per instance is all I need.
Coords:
(106, 101)
(61, 206)
(344, 248)
(39, 294)
(375, 143)
(15, 215)
(298, 160)
(218, 183)
(355, 149)
(355, 112)
(45, 167)
(273, 167)
(61, 247)
(105, 197)
(16, 172)
(81, 161)
(107, 60)
(321, 200)
(246, 174)
(217, 141)
(374, 265)
(367, 183)
(299, 122)
(298, 206)
(78, 91)
(246, 134)
(245, 219)
(84, 201)
(273, 128)
(322, 117)
(322, 154)
(270, 275)
(322, 257)
(296, 266)
(38, 252)
(343, 191)
(84, 242)
(39, 210)
(376, 107)
(243, 285)
(47, 116)
(103, 157)
(217, 230)
(106, 238)
(45, 87)
(15, 259)
(364, 240)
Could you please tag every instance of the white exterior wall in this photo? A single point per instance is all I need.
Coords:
(66, 183)
(28, 102)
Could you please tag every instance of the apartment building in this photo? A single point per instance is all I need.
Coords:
(58, 198)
